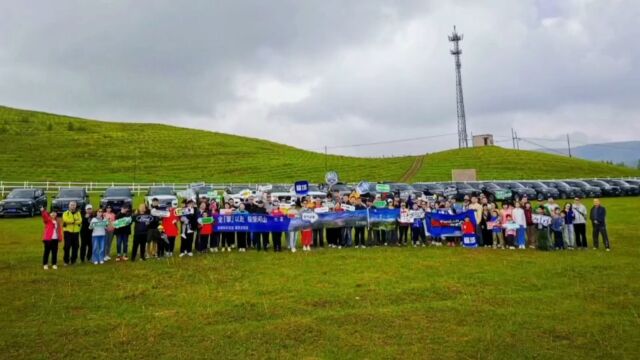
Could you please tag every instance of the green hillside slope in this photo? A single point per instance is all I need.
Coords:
(38, 146)
(499, 163)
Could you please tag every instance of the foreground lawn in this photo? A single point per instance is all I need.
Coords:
(349, 303)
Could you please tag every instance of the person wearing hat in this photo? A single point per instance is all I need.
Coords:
(86, 241)
(71, 224)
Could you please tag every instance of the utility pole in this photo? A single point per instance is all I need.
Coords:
(455, 38)
(513, 138)
(569, 145)
(517, 141)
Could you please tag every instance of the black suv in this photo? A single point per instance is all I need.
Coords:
(23, 202)
(542, 191)
(61, 202)
(463, 189)
(341, 188)
(116, 197)
(402, 190)
(607, 190)
(429, 189)
(494, 191)
(627, 189)
(564, 189)
(587, 190)
(518, 190)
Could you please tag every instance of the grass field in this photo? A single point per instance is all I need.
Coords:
(36, 146)
(352, 303)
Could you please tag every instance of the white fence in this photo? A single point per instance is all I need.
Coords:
(99, 187)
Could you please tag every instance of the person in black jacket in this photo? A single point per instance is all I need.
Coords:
(122, 235)
(598, 217)
(86, 241)
(359, 228)
(189, 226)
(260, 236)
(142, 220)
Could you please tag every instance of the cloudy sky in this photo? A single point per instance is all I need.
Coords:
(315, 73)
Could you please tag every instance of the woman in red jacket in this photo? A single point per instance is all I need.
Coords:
(51, 236)
(170, 225)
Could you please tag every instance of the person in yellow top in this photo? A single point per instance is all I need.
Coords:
(71, 222)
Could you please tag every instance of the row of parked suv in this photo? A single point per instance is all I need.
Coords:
(28, 201)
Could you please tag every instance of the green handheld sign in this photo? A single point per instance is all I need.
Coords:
(385, 188)
(380, 204)
(206, 220)
(122, 222)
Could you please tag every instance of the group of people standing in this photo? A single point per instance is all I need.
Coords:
(89, 235)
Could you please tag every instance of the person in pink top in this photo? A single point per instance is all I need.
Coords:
(507, 210)
(51, 236)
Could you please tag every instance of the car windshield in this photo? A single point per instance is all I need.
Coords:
(598, 183)
(492, 186)
(516, 185)
(577, 183)
(434, 187)
(340, 187)
(280, 188)
(164, 190)
(70, 193)
(203, 189)
(402, 187)
(237, 189)
(118, 192)
(314, 188)
(562, 185)
(463, 186)
(20, 194)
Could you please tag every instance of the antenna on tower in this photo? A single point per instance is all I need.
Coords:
(455, 38)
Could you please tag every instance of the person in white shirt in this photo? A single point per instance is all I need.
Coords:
(580, 223)
(519, 218)
(99, 226)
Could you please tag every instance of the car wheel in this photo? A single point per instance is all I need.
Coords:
(31, 213)
(540, 197)
(563, 195)
(492, 198)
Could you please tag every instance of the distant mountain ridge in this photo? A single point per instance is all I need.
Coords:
(627, 152)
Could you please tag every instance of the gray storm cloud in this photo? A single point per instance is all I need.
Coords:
(315, 73)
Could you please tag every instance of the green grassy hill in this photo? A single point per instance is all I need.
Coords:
(499, 163)
(38, 146)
